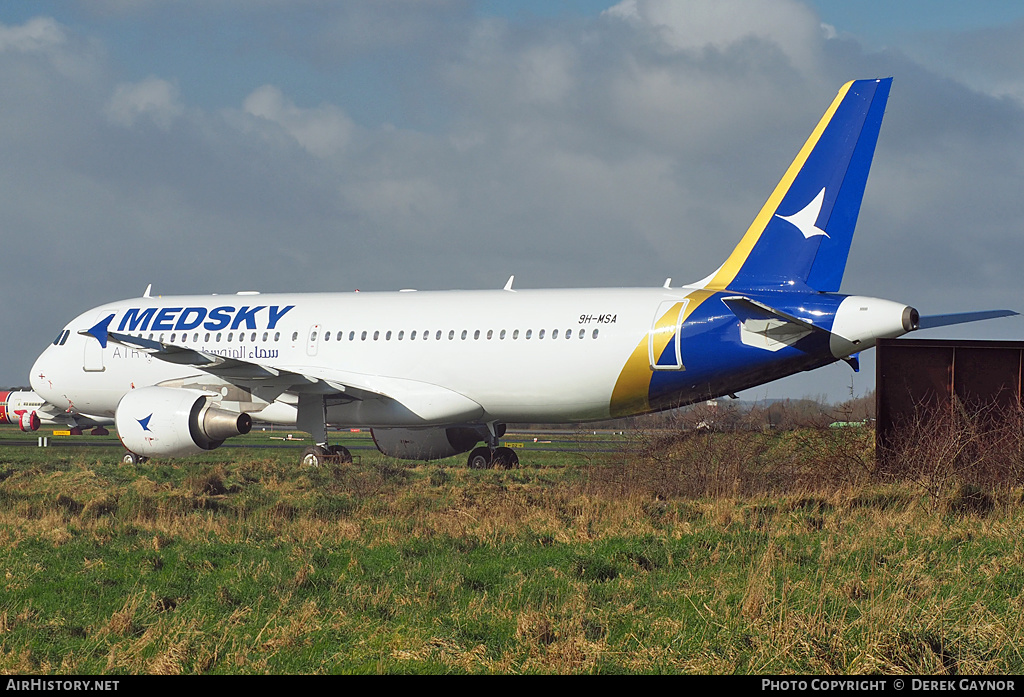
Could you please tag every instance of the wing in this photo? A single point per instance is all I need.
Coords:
(424, 401)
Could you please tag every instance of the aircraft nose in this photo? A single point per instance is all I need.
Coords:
(40, 378)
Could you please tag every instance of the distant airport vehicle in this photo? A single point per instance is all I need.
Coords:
(29, 411)
(434, 374)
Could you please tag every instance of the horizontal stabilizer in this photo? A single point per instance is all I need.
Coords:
(932, 321)
(767, 328)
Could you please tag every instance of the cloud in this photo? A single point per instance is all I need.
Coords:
(720, 25)
(323, 131)
(154, 99)
(421, 146)
(37, 34)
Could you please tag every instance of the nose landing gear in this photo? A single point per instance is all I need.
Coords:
(317, 455)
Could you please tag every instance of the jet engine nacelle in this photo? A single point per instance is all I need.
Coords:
(428, 443)
(171, 422)
(28, 421)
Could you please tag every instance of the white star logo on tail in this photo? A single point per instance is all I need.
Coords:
(806, 220)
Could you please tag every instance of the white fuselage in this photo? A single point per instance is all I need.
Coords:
(436, 357)
(519, 355)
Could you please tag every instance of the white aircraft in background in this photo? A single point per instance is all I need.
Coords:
(435, 373)
(29, 411)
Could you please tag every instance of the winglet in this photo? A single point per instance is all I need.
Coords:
(99, 330)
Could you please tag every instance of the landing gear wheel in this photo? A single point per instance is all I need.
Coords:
(340, 452)
(479, 459)
(314, 456)
(505, 458)
(100, 431)
(130, 458)
(75, 431)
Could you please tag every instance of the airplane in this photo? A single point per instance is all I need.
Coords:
(29, 411)
(438, 373)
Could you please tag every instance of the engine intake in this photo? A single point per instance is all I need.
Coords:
(171, 422)
(29, 421)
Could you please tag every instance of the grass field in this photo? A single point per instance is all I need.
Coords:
(717, 553)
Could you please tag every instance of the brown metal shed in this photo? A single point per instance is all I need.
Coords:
(915, 377)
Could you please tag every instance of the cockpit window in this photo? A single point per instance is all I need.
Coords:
(62, 337)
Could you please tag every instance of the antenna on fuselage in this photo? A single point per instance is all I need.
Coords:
(148, 289)
(508, 283)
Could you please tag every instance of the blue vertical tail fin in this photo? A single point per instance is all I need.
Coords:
(802, 235)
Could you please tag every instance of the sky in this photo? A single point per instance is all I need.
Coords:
(212, 146)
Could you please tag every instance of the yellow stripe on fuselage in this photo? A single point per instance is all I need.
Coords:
(734, 263)
(630, 395)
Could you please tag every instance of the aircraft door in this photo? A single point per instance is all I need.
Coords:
(663, 341)
(92, 359)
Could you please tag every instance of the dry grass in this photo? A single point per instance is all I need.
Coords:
(748, 552)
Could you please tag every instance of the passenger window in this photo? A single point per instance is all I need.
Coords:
(529, 333)
(219, 335)
(515, 334)
(451, 334)
(568, 333)
(312, 337)
(490, 334)
(476, 334)
(387, 336)
(352, 336)
(295, 336)
(412, 337)
(463, 334)
(363, 336)
(401, 334)
(595, 333)
(207, 337)
(327, 336)
(376, 335)
(582, 333)
(437, 337)
(173, 337)
(277, 335)
(502, 335)
(253, 337)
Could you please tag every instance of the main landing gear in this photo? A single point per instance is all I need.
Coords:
(490, 455)
(484, 458)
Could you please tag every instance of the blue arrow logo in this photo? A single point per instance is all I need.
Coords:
(99, 330)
